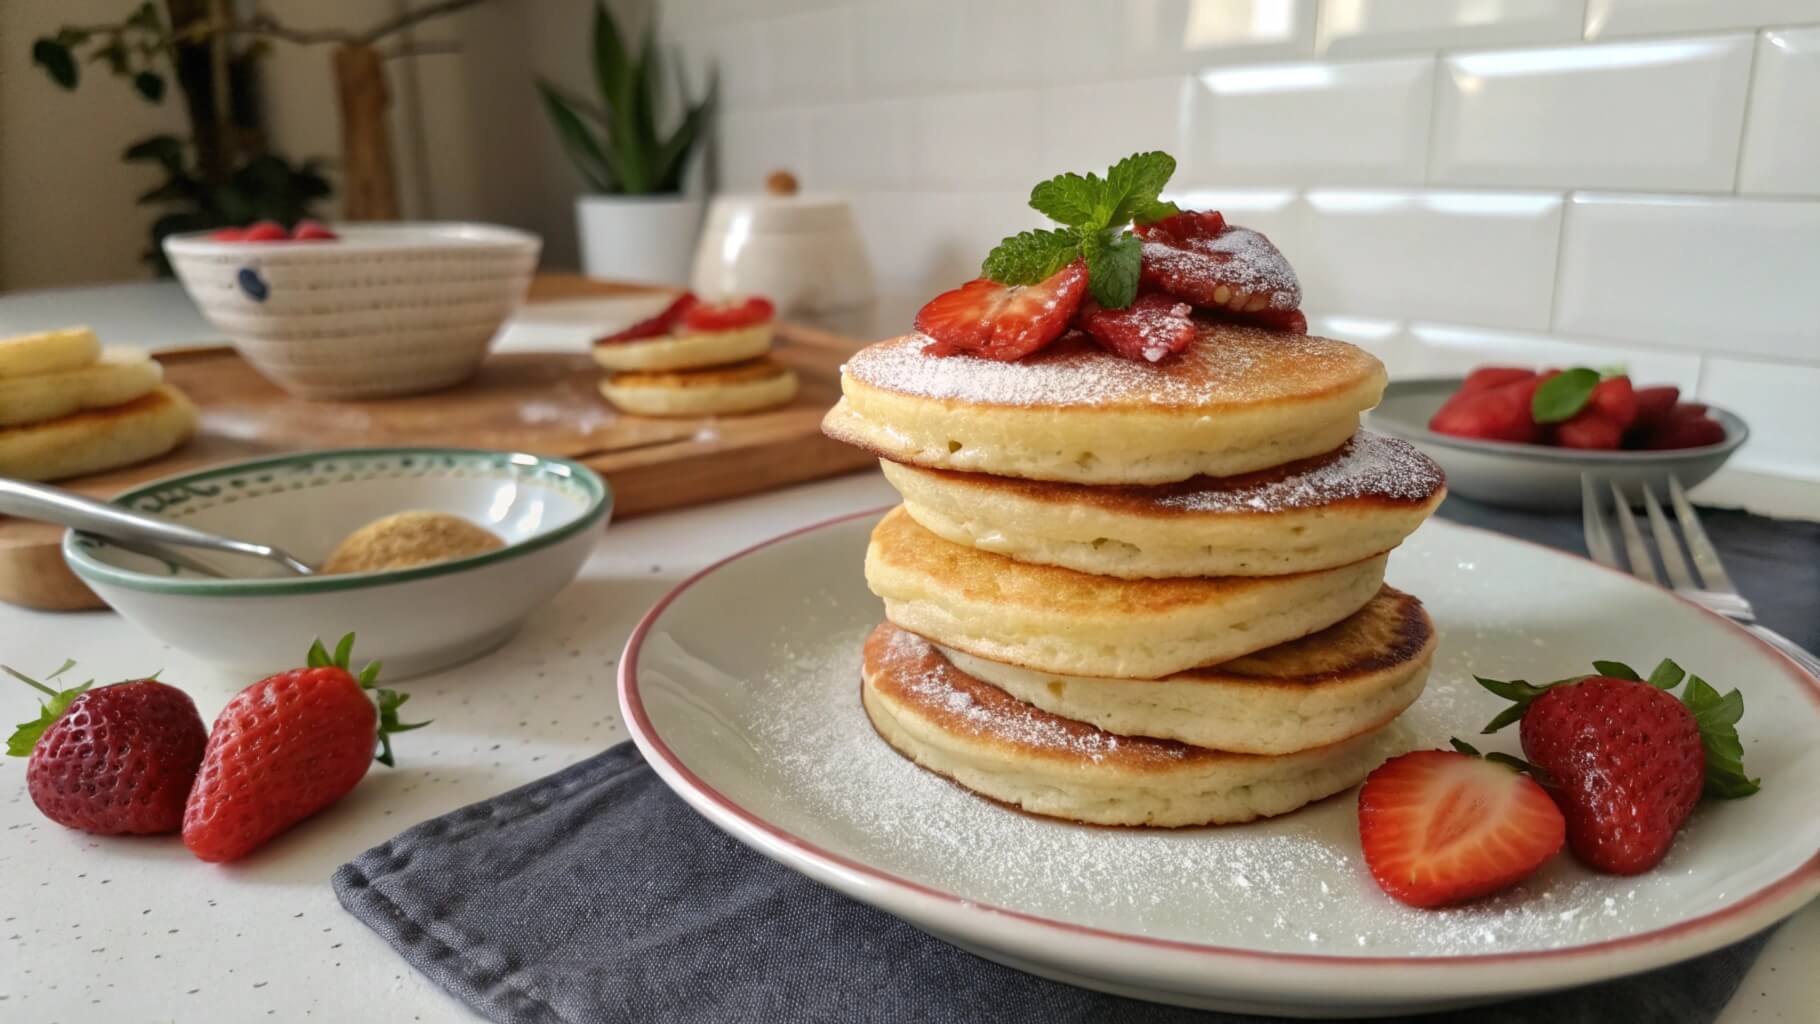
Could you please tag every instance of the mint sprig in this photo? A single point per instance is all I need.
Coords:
(1094, 213)
(1560, 397)
(1715, 714)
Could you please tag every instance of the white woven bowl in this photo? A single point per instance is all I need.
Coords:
(387, 309)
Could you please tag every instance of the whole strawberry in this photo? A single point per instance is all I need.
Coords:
(1626, 760)
(113, 761)
(287, 747)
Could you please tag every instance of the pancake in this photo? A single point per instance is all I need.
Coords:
(751, 386)
(120, 375)
(48, 351)
(999, 747)
(1238, 399)
(1349, 678)
(1317, 513)
(686, 351)
(98, 439)
(1051, 619)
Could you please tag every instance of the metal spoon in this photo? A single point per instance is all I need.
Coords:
(132, 530)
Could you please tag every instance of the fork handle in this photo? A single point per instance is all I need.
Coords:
(1795, 652)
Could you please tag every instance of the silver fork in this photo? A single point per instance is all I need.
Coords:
(1711, 589)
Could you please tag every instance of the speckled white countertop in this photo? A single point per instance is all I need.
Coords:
(137, 930)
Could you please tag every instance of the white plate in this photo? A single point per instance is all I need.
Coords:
(741, 689)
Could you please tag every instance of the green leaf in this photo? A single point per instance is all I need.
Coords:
(1030, 256)
(1519, 692)
(614, 76)
(1616, 670)
(1068, 199)
(25, 737)
(1133, 185)
(344, 650)
(70, 36)
(1717, 717)
(1667, 675)
(1112, 267)
(673, 155)
(1563, 395)
(113, 55)
(389, 703)
(56, 60)
(318, 656)
(584, 150)
(165, 149)
(149, 84)
(1464, 747)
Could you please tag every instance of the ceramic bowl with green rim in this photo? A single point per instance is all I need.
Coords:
(549, 512)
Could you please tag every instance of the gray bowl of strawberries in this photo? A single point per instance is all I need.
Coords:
(1538, 472)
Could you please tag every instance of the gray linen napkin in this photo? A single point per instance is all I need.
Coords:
(596, 895)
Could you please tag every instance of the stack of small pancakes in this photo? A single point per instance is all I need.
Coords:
(671, 370)
(1129, 593)
(69, 407)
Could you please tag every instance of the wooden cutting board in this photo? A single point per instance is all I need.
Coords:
(545, 403)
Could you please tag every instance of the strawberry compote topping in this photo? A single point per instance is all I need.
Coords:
(1154, 326)
(1230, 268)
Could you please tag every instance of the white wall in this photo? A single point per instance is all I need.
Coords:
(1567, 181)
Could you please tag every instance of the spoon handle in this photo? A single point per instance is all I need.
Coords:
(56, 505)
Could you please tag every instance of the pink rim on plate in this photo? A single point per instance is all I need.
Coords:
(1806, 876)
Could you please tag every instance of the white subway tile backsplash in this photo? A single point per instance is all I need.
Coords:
(807, 56)
(1464, 257)
(1730, 276)
(753, 143)
(926, 242)
(1653, 114)
(1185, 35)
(1782, 132)
(1311, 124)
(908, 47)
(1352, 27)
(860, 146)
(1088, 127)
(1649, 17)
(1777, 402)
(1447, 349)
(1274, 212)
(986, 141)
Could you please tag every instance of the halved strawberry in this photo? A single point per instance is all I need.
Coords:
(1439, 827)
(1003, 322)
(1501, 413)
(1654, 404)
(1589, 429)
(1614, 399)
(266, 231)
(1186, 225)
(1685, 431)
(308, 230)
(730, 315)
(1198, 257)
(1154, 326)
(1283, 321)
(1487, 377)
(655, 327)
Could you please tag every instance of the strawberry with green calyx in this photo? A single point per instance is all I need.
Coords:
(287, 747)
(117, 760)
(1626, 760)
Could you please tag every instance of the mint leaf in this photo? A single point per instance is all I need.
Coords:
(1068, 199)
(1563, 395)
(1132, 186)
(1112, 267)
(1717, 716)
(1030, 256)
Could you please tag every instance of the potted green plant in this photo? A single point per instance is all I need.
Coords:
(635, 224)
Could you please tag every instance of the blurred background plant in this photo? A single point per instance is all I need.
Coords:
(615, 143)
(225, 173)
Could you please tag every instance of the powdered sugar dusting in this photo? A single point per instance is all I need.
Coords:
(1240, 258)
(1368, 466)
(1227, 364)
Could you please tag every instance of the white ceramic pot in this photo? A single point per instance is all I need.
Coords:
(804, 253)
(644, 239)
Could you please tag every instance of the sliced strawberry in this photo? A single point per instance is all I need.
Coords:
(1487, 377)
(1501, 413)
(731, 315)
(228, 235)
(1589, 430)
(1154, 326)
(1688, 410)
(1282, 321)
(1235, 269)
(657, 326)
(308, 230)
(1003, 322)
(1685, 432)
(1439, 828)
(265, 231)
(1653, 404)
(1614, 399)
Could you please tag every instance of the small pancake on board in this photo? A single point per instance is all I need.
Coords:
(98, 439)
(1349, 678)
(1057, 620)
(1238, 399)
(751, 386)
(67, 348)
(1317, 513)
(999, 747)
(686, 351)
(119, 376)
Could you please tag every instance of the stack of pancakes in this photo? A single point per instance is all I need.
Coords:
(1139, 594)
(700, 373)
(69, 407)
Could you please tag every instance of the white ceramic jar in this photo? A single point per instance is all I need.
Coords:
(803, 252)
(638, 239)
